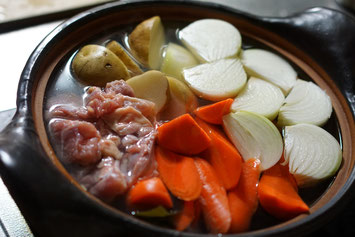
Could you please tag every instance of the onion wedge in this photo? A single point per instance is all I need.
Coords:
(216, 81)
(311, 152)
(270, 67)
(259, 96)
(254, 136)
(306, 103)
(211, 39)
(175, 59)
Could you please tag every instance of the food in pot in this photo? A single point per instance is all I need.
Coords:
(200, 145)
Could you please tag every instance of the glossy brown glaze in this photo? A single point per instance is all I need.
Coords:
(55, 204)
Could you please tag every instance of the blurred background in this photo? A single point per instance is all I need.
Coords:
(24, 23)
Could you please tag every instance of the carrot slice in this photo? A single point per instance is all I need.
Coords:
(149, 193)
(243, 200)
(222, 155)
(278, 195)
(179, 174)
(183, 135)
(213, 113)
(213, 199)
(185, 218)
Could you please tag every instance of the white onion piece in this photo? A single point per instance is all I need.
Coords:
(216, 81)
(211, 39)
(254, 136)
(175, 59)
(311, 152)
(259, 96)
(306, 103)
(270, 67)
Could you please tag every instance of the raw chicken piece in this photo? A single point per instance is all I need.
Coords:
(111, 139)
(78, 141)
(106, 180)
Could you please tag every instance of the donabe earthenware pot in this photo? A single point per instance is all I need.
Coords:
(319, 41)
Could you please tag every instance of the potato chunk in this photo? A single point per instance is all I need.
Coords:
(146, 42)
(117, 49)
(181, 100)
(152, 86)
(95, 65)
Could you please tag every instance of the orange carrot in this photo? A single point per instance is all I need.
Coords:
(213, 113)
(149, 193)
(222, 155)
(183, 135)
(278, 195)
(213, 199)
(179, 174)
(243, 200)
(186, 216)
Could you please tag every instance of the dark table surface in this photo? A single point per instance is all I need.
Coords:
(11, 221)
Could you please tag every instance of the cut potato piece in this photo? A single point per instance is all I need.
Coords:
(218, 80)
(261, 97)
(306, 103)
(146, 42)
(177, 58)
(269, 66)
(255, 137)
(95, 65)
(211, 39)
(117, 49)
(152, 86)
(312, 153)
(181, 100)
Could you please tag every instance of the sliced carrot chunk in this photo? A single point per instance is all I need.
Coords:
(213, 113)
(185, 218)
(243, 200)
(222, 155)
(278, 195)
(149, 193)
(183, 135)
(213, 199)
(179, 174)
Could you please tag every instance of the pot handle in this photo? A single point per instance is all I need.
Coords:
(23, 166)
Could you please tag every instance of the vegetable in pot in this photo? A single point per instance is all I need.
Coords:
(311, 153)
(217, 80)
(120, 52)
(213, 199)
(243, 200)
(146, 42)
(183, 135)
(96, 65)
(255, 137)
(222, 155)
(266, 65)
(179, 174)
(278, 194)
(211, 39)
(151, 85)
(259, 96)
(306, 103)
(213, 113)
(176, 58)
